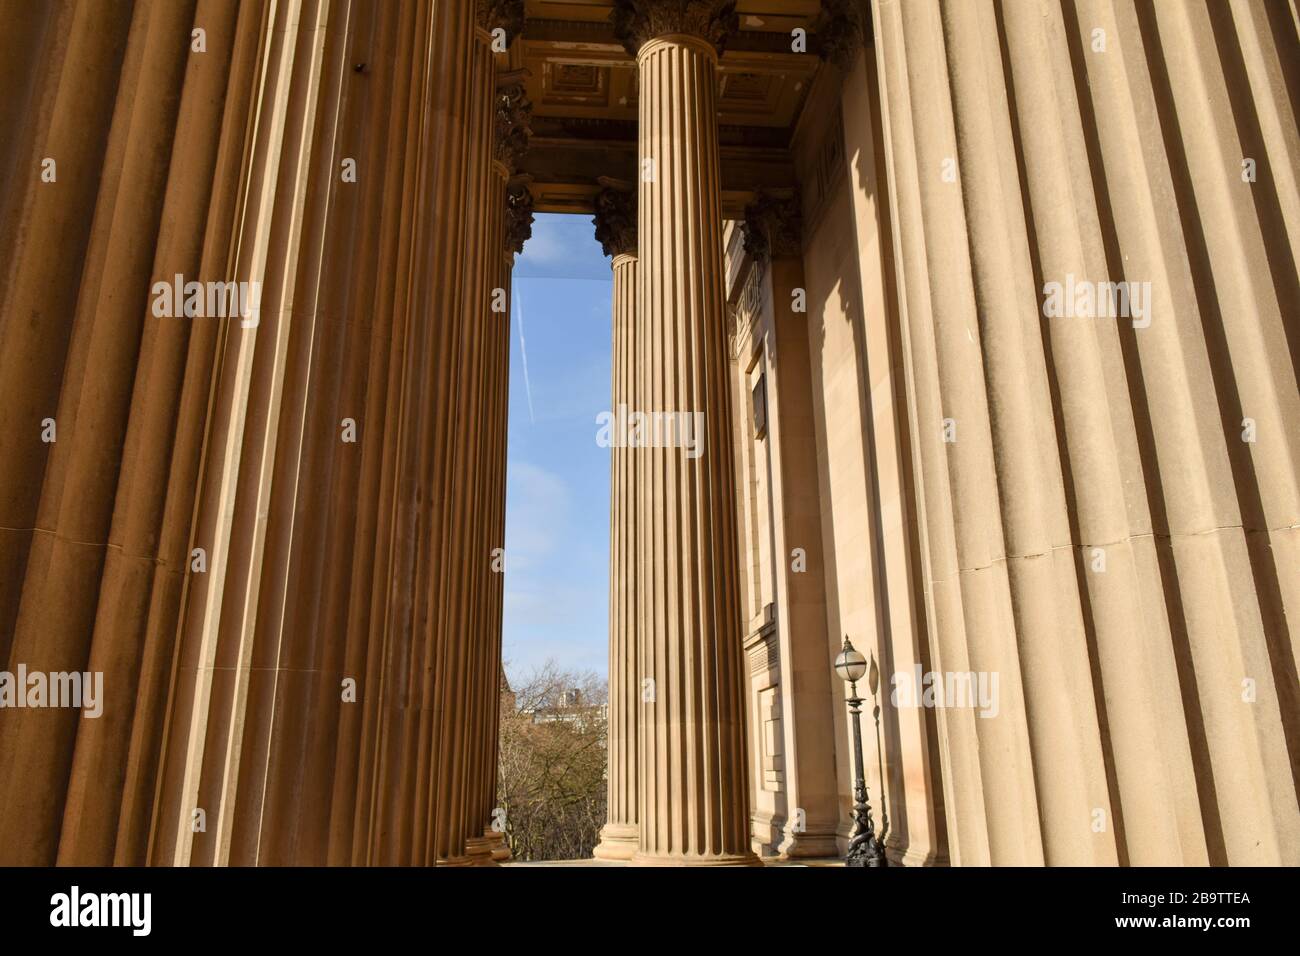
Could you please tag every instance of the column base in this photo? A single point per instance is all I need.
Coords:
(479, 850)
(456, 861)
(814, 845)
(682, 859)
(618, 841)
(497, 845)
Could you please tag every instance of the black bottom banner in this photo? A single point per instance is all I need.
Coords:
(519, 904)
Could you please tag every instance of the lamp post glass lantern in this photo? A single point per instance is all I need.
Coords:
(865, 848)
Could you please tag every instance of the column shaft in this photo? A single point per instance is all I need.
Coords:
(266, 527)
(1106, 480)
(619, 836)
(463, 567)
(691, 771)
(116, 489)
(481, 280)
(513, 206)
(498, 421)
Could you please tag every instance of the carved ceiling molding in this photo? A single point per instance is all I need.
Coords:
(615, 221)
(637, 22)
(772, 228)
(546, 30)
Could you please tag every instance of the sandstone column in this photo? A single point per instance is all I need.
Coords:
(511, 112)
(267, 530)
(616, 231)
(1106, 485)
(463, 569)
(516, 227)
(691, 772)
(914, 781)
(94, 519)
(380, 793)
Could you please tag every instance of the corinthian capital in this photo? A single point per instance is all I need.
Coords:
(519, 216)
(616, 221)
(513, 113)
(773, 228)
(637, 22)
(839, 27)
(506, 14)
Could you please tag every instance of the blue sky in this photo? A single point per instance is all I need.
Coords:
(557, 485)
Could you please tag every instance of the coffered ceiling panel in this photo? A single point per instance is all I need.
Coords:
(583, 87)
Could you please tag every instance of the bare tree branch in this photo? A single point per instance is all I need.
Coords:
(552, 766)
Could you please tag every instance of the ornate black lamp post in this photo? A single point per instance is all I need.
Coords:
(865, 848)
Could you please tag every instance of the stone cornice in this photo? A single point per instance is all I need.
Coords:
(773, 228)
(616, 221)
(513, 113)
(637, 22)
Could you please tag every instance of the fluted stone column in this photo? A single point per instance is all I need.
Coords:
(383, 807)
(1107, 492)
(516, 227)
(95, 507)
(511, 113)
(492, 839)
(244, 520)
(465, 569)
(616, 231)
(691, 772)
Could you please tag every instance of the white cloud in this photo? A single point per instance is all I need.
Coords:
(540, 506)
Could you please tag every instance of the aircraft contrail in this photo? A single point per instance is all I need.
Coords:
(523, 354)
